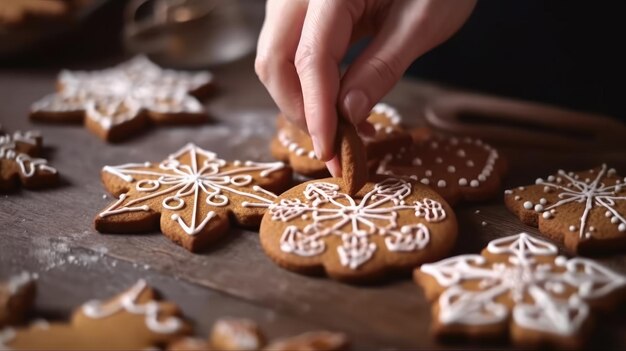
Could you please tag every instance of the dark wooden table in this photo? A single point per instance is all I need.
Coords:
(51, 231)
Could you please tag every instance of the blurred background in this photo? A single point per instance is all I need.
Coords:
(564, 53)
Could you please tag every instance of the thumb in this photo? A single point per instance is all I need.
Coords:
(410, 29)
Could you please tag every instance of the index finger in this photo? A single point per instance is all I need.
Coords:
(325, 37)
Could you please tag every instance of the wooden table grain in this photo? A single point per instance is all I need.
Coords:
(51, 231)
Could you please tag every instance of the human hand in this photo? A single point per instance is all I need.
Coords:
(303, 42)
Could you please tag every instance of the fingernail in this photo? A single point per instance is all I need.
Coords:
(356, 105)
(317, 147)
(334, 167)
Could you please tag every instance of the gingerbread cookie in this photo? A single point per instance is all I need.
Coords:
(354, 172)
(17, 296)
(14, 12)
(134, 320)
(20, 164)
(459, 169)
(244, 335)
(585, 210)
(519, 286)
(119, 102)
(390, 224)
(294, 146)
(190, 195)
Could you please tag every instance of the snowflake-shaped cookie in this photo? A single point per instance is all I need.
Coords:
(518, 285)
(586, 210)
(389, 224)
(19, 163)
(119, 102)
(295, 147)
(456, 168)
(191, 194)
(133, 320)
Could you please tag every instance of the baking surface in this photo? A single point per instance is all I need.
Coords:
(51, 231)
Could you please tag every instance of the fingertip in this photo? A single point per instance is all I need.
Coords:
(334, 167)
(366, 129)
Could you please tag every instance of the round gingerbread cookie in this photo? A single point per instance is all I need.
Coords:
(390, 224)
(585, 210)
(459, 169)
(519, 287)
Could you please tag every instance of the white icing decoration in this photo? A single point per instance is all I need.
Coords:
(591, 193)
(528, 205)
(180, 180)
(337, 214)
(16, 283)
(117, 95)
(27, 165)
(533, 286)
(128, 303)
(293, 146)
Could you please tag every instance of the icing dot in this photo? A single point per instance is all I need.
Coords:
(477, 211)
(611, 172)
(543, 201)
(553, 211)
(425, 181)
(592, 229)
(551, 178)
(470, 163)
(608, 214)
(614, 219)
(528, 205)
(441, 183)
(538, 181)
(622, 227)
(460, 153)
(538, 208)
(482, 178)
(483, 223)
(474, 183)
(547, 215)
(517, 197)
(587, 180)
(508, 192)
(428, 173)
(572, 228)
(434, 145)
(417, 161)
(451, 169)
(587, 235)
(521, 188)
(462, 182)
(547, 189)
(438, 160)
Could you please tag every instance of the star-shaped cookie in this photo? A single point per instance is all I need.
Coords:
(191, 195)
(119, 102)
(20, 164)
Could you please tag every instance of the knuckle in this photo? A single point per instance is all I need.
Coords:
(305, 59)
(388, 69)
(261, 67)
